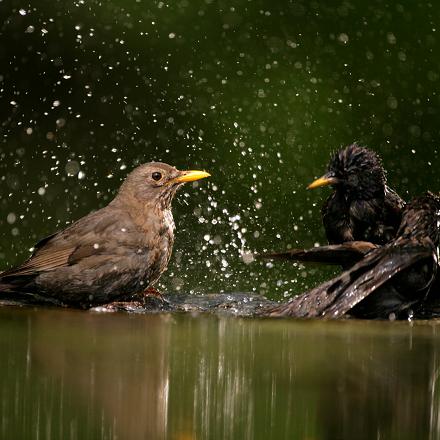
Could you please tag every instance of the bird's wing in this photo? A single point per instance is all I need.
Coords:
(340, 254)
(43, 260)
(391, 264)
(393, 201)
(338, 295)
(84, 238)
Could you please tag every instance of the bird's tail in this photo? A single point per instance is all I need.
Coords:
(17, 294)
(18, 290)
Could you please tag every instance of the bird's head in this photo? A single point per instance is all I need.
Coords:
(157, 182)
(356, 171)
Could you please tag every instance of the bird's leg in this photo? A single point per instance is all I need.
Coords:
(152, 299)
(149, 296)
(152, 291)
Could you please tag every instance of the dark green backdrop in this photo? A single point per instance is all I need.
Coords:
(257, 92)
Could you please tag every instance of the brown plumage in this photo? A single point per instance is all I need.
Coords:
(110, 254)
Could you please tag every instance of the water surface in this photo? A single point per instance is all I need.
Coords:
(83, 375)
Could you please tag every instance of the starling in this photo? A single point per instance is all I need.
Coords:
(344, 254)
(388, 281)
(362, 206)
(110, 254)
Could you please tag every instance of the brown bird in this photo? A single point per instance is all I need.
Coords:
(387, 280)
(362, 207)
(110, 254)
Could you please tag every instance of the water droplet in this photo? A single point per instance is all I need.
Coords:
(11, 218)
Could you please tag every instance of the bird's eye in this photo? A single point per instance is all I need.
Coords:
(156, 175)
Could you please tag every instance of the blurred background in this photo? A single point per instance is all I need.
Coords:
(258, 93)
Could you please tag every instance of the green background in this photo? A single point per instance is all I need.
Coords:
(259, 93)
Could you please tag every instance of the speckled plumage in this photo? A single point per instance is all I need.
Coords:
(362, 206)
(110, 254)
(387, 280)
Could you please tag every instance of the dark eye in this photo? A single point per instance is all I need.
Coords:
(156, 175)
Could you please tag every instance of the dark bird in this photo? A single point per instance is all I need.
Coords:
(344, 254)
(362, 206)
(112, 253)
(388, 281)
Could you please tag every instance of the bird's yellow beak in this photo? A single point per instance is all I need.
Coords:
(323, 181)
(190, 176)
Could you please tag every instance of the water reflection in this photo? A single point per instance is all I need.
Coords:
(78, 375)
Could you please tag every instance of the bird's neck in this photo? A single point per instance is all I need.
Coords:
(360, 194)
(144, 211)
(169, 219)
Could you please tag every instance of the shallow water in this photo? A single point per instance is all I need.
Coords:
(84, 375)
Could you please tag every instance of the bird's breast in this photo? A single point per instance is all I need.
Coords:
(162, 235)
(169, 220)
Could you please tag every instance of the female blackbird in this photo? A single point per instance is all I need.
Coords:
(109, 254)
(387, 280)
(362, 206)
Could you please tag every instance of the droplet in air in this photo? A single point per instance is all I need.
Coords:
(72, 168)
(11, 218)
